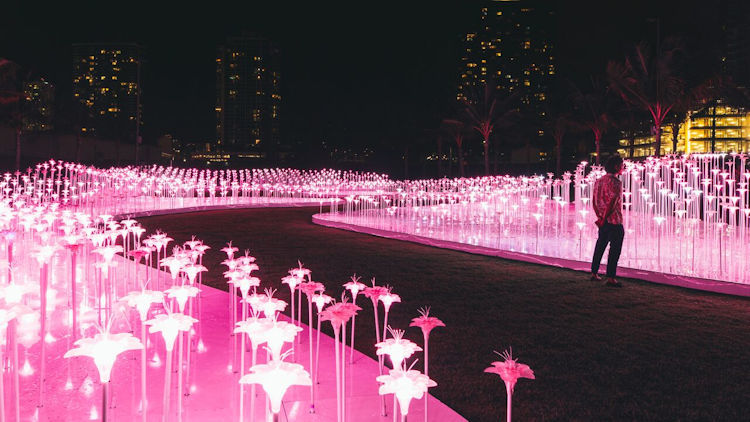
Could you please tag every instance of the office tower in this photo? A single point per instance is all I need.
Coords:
(512, 50)
(106, 88)
(248, 95)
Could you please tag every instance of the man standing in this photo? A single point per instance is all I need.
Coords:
(607, 202)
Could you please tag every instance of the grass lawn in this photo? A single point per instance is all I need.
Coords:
(645, 352)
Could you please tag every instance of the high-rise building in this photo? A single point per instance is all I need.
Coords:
(106, 83)
(248, 95)
(512, 50)
(39, 99)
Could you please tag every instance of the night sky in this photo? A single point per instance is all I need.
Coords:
(365, 72)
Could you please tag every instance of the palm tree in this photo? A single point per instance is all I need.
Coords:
(11, 101)
(487, 113)
(455, 129)
(558, 126)
(594, 110)
(650, 83)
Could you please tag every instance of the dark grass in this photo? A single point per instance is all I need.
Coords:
(645, 352)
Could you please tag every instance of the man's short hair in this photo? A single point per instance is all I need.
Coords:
(613, 164)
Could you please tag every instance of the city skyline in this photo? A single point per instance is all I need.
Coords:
(361, 76)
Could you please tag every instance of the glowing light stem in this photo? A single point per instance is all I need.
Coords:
(105, 396)
(509, 402)
(337, 351)
(73, 292)
(317, 350)
(343, 371)
(2, 385)
(426, 368)
(299, 315)
(354, 322)
(179, 375)
(383, 410)
(242, 362)
(143, 371)
(253, 360)
(43, 332)
(16, 381)
(310, 347)
(167, 387)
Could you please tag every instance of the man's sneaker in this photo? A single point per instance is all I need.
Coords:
(611, 282)
(595, 277)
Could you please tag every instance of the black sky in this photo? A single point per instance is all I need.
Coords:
(357, 70)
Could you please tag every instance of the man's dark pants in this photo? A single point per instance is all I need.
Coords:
(611, 234)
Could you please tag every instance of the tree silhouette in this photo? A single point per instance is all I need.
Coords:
(455, 129)
(11, 101)
(651, 83)
(487, 112)
(594, 109)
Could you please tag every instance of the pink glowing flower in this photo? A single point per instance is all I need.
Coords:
(300, 272)
(397, 348)
(246, 259)
(44, 253)
(229, 250)
(406, 385)
(276, 377)
(231, 263)
(339, 313)
(510, 370)
(169, 325)
(182, 294)
(426, 322)
(104, 348)
(277, 334)
(142, 300)
(374, 292)
(255, 328)
(244, 283)
(354, 286)
(292, 281)
(192, 270)
(192, 243)
(175, 264)
(270, 306)
(311, 287)
(389, 298)
(321, 300)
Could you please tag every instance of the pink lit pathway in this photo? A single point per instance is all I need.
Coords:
(73, 391)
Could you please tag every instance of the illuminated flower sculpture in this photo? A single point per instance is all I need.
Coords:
(309, 289)
(406, 385)
(339, 314)
(169, 325)
(397, 348)
(104, 348)
(257, 330)
(354, 287)
(276, 377)
(142, 301)
(181, 294)
(426, 323)
(510, 371)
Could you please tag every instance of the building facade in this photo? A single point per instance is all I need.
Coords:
(718, 127)
(38, 109)
(512, 50)
(248, 96)
(106, 89)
